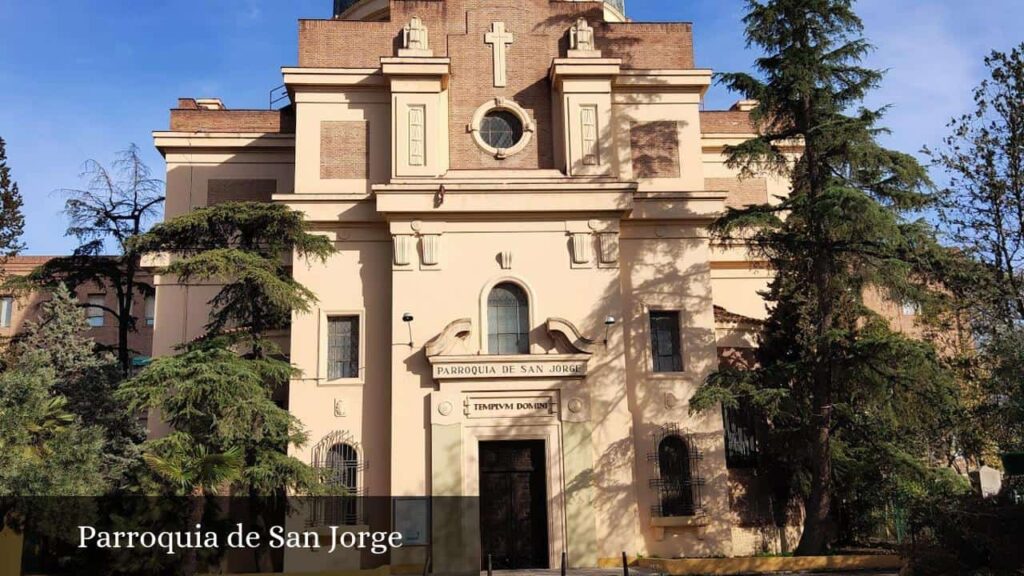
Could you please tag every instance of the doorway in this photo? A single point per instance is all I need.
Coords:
(513, 504)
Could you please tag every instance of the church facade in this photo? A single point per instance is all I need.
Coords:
(525, 293)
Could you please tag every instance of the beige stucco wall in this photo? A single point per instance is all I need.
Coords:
(585, 240)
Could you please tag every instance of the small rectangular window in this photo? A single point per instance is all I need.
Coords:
(93, 313)
(150, 310)
(665, 347)
(6, 311)
(342, 347)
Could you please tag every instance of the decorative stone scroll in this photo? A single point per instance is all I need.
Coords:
(570, 334)
(403, 245)
(505, 259)
(431, 249)
(609, 245)
(581, 251)
(453, 334)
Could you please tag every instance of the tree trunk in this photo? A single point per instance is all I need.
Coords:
(817, 505)
(127, 299)
(190, 556)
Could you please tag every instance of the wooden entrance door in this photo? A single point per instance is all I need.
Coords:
(513, 504)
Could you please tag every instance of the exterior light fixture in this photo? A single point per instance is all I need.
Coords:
(407, 318)
(609, 321)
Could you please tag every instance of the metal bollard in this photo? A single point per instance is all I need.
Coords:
(625, 565)
(490, 570)
(564, 563)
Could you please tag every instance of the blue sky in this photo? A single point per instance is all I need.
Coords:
(83, 79)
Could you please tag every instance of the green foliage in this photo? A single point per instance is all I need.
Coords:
(982, 212)
(221, 403)
(850, 404)
(244, 245)
(44, 449)
(85, 377)
(114, 207)
(12, 221)
(190, 467)
(958, 532)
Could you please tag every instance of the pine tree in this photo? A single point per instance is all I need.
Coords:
(227, 427)
(832, 378)
(244, 245)
(12, 221)
(219, 391)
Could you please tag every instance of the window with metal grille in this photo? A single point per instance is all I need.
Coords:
(508, 319)
(342, 347)
(665, 348)
(340, 465)
(677, 479)
(6, 311)
(740, 437)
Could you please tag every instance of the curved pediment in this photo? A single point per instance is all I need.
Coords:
(571, 335)
(453, 335)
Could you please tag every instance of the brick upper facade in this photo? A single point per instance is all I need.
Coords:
(27, 307)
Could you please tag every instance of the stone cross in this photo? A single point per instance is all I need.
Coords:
(498, 38)
(582, 36)
(414, 35)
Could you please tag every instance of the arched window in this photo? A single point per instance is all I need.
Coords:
(343, 463)
(338, 460)
(679, 490)
(508, 320)
(342, 472)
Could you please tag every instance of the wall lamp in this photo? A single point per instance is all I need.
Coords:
(407, 318)
(609, 321)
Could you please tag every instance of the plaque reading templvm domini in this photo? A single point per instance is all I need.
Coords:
(511, 406)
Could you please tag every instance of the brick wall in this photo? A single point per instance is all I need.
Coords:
(201, 120)
(329, 43)
(655, 149)
(343, 150)
(647, 45)
(221, 190)
(726, 122)
(457, 29)
(27, 307)
(742, 192)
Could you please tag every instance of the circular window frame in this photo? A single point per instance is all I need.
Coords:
(509, 106)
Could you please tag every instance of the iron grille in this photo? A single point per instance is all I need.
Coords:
(338, 459)
(677, 480)
(741, 447)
